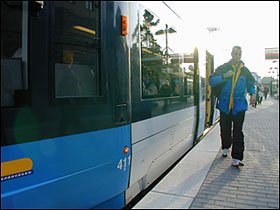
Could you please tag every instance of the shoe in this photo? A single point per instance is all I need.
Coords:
(236, 163)
(225, 152)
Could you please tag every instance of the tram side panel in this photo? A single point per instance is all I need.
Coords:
(70, 144)
(61, 148)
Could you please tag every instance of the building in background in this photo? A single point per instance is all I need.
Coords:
(272, 54)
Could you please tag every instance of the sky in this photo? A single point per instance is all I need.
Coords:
(253, 25)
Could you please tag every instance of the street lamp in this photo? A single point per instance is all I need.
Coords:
(213, 41)
(277, 76)
(211, 29)
(166, 31)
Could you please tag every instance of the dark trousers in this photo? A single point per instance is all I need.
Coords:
(237, 139)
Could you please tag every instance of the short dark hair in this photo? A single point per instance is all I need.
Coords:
(236, 47)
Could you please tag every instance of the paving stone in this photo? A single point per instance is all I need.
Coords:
(256, 185)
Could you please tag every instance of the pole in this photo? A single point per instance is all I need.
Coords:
(277, 77)
(166, 31)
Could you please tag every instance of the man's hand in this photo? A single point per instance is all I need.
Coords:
(253, 99)
(228, 74)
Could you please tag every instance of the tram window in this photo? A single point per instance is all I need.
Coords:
(77, 47)
(159, 68)
(13, 49)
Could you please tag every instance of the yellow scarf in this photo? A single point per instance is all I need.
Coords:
(234, 81)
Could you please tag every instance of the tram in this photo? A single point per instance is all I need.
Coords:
(98, 99)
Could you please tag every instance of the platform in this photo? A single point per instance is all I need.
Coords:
(203, 179)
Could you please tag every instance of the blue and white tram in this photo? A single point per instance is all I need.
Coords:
(98, 99)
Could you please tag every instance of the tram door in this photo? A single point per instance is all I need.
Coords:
(200, 66)
(209, 99)
(64, 104)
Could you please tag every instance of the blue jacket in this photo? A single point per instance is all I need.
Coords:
(245, 80)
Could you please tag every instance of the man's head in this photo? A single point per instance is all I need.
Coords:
(236, 54)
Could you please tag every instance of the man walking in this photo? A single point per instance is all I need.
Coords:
(235, 78)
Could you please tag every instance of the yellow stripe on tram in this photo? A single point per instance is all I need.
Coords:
(16, 166)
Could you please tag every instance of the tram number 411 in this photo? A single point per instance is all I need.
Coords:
(123, 162)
